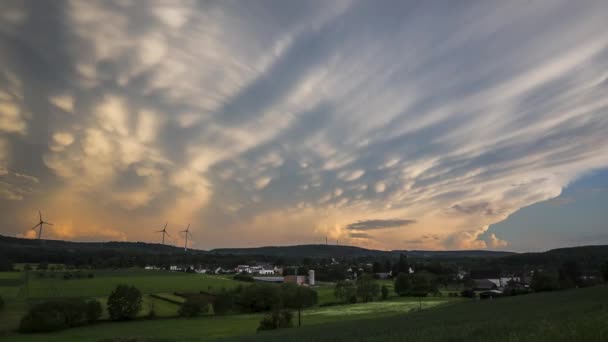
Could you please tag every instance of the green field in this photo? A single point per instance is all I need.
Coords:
(104, 282)
(18, 290)
(574, 315)
(211, 327)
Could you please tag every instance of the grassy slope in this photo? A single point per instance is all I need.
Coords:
(575, 315)
(105, 282)
(16, 296)
(211, 327)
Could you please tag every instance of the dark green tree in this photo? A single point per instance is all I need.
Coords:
(223, 302)
(1, 304)
(570, 274)
(544, 281)
(297, 298)
(124, 303)
(402, 284)
(367, 288)
(345, 291)
(605, 271)
(422, 284)
(384, 291)
(93, 311)
(193, 306)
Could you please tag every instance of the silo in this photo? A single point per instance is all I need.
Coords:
(311, 277)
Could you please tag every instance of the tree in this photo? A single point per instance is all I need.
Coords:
(277, 319)
(402, 266)
(544, 281)
(259, 297)
(569, 274)
(605, 271)
(93, 311)
(367, 288)
(297, 298)
(223, 302)
(124, 303)
(384, 291)
(193, 306)
(402, 284)
(422, 284)
(345, 291)
(1, 304)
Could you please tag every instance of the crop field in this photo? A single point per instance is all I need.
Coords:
(104, 282)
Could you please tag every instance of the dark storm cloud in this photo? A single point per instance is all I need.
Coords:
(379, 224)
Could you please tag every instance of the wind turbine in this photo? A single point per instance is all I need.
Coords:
(40, 224)
(164, 231)
(187, 232)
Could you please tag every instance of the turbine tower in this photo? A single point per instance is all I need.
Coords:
(164, 231)
(187, 233)
(40, 224)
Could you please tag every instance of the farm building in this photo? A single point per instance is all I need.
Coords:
(484, 285)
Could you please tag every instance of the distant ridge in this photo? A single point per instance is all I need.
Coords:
(20, 246)
(328, 251)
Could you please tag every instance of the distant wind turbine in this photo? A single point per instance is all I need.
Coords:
(164, 231)
(187, 233)
(40, 224)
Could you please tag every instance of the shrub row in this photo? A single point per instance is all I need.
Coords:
(60, 314)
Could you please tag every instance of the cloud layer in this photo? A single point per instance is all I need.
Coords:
(282, 122)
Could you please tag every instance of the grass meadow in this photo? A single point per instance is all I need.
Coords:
(573, 315)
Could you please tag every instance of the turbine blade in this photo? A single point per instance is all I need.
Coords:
(188, 229)
(34, 227)
(40, 215)
(48, 223)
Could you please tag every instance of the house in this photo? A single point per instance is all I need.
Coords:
(299, 280)
(174, 268)
(201, 271)
(220, 270)
(243, 269)
(484, 285)
(490, 294)
(266, 271)
(383, 275)
(269, 279)
(151, 268)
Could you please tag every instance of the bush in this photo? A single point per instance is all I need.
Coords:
(124, 303)
(384, 291)
(93, 311)
(60, 314)
(345, 291)
(367, 288)
(244, 277)
(258, 297)
(193, 306)
(278, 319)
(223, 302)
(402, 284)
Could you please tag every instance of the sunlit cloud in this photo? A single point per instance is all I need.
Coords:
(287, 122)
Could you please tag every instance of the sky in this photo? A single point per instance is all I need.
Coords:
(381, 124)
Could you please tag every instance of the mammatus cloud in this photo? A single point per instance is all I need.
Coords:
(287, 122)
(379, 224)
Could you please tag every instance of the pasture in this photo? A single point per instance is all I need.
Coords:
(211, 327)
(572, 315)
(18, 289)
(103, 282)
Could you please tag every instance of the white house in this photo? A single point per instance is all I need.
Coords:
(266, 271)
